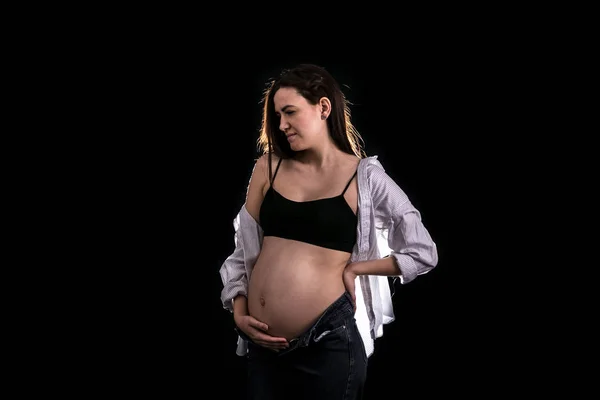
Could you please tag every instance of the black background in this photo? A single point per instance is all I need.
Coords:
(176, 132)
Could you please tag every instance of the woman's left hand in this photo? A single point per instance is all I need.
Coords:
(349, 277)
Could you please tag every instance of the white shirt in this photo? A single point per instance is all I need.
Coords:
(388, 224)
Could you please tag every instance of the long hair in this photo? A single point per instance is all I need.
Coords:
(312, 82)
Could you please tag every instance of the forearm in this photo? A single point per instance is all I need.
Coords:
(386, 266)
(240, 306)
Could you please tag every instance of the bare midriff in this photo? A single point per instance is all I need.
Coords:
(293, 283)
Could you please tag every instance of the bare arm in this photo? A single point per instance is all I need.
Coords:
(240, 306)
(255, 329)
(257, 186)
(254, 198)
(386, 266)
(233, 270)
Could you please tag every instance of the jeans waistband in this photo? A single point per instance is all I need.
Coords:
(334, 316)
(337, 312)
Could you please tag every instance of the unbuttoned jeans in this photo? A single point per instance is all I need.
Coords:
(327, 362)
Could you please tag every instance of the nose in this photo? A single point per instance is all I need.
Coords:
(283, 124)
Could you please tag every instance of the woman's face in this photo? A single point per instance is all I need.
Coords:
(298, 119)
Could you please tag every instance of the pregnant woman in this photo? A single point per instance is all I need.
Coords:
(307, 281)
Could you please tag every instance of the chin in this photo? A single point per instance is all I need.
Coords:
(296, 147)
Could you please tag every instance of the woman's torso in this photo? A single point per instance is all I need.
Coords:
(294, 281)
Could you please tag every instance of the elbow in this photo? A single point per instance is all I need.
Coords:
(432, 260)
(413, 265)
(428, 259)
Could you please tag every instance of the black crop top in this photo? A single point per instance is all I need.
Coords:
(328, 222)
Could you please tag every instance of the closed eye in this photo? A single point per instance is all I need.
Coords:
(286, 113)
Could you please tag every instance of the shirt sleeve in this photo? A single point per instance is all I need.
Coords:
(410, 243)
(233, 272)
(236, 268)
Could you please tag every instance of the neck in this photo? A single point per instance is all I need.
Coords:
(320, 157)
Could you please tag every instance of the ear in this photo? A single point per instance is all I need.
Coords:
(325, 106)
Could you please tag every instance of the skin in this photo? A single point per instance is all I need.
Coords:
(294, 282)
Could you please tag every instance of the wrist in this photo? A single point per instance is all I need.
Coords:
(240, 306)
(351, 269)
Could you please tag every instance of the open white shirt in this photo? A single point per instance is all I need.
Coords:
(388, 225)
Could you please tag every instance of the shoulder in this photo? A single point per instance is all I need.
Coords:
(381, 185)
(263, 161)
(261, 164)
(262, 171)
(371, 168)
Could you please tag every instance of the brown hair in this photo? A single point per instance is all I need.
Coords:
(313, 83)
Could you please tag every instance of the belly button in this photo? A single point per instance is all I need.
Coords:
(262, 301)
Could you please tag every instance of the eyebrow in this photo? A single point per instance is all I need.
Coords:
(285, 107)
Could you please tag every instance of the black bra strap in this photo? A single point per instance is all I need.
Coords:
(276, 169)
(348, 184)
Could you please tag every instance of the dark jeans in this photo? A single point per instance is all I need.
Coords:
(327, 362)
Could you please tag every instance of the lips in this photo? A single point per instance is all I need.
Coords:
(291, 136)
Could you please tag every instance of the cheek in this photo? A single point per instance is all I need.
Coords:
(306, 124)
(310, 124)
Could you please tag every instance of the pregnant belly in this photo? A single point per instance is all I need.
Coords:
(292, 284)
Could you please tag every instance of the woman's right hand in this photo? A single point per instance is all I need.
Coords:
(257, 331)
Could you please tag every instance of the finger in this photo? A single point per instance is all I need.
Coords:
(274, 346)
(261, 336)
(259, 325)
